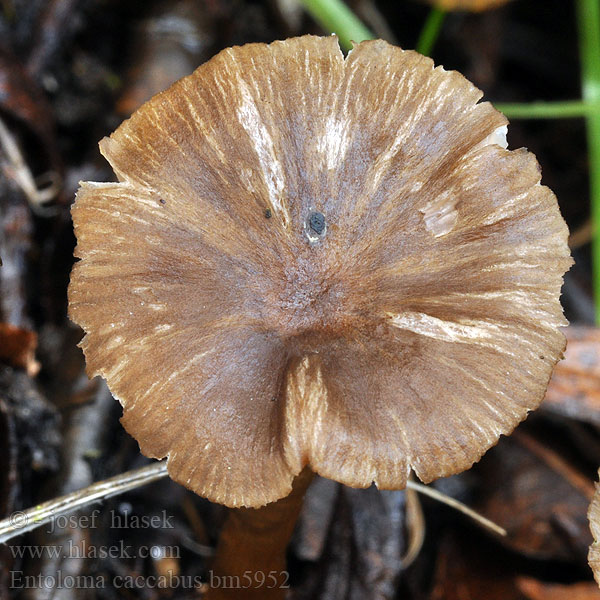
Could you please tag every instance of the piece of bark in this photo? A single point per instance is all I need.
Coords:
(362, 557)
(315, 519)
(542, 508)
(574, 389)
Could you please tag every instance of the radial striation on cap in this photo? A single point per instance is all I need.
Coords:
(312, 259)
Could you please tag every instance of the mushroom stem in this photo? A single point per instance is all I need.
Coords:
(250, 560)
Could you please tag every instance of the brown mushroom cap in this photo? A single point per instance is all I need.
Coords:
(312, 260)
(594, 519)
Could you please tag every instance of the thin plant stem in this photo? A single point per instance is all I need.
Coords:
(334, 16)
(15, 164)
(415, 527)
(463, 508)
(588, 20)
(567, 109)
(22, 521)
(431, 31)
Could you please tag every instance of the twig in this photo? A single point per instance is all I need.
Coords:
(16, 168)
(581, 236)
(433, 493)
(415, 525)
(22, 521)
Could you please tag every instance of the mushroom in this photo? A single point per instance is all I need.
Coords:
(594, 519)
(312, 260)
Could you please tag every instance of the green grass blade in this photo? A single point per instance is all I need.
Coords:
(567, 109)
(335, 17)
(431, 31)
(588, 20)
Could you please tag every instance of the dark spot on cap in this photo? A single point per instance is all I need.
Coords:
(268, 213)
(162, 200)
(316, 222)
